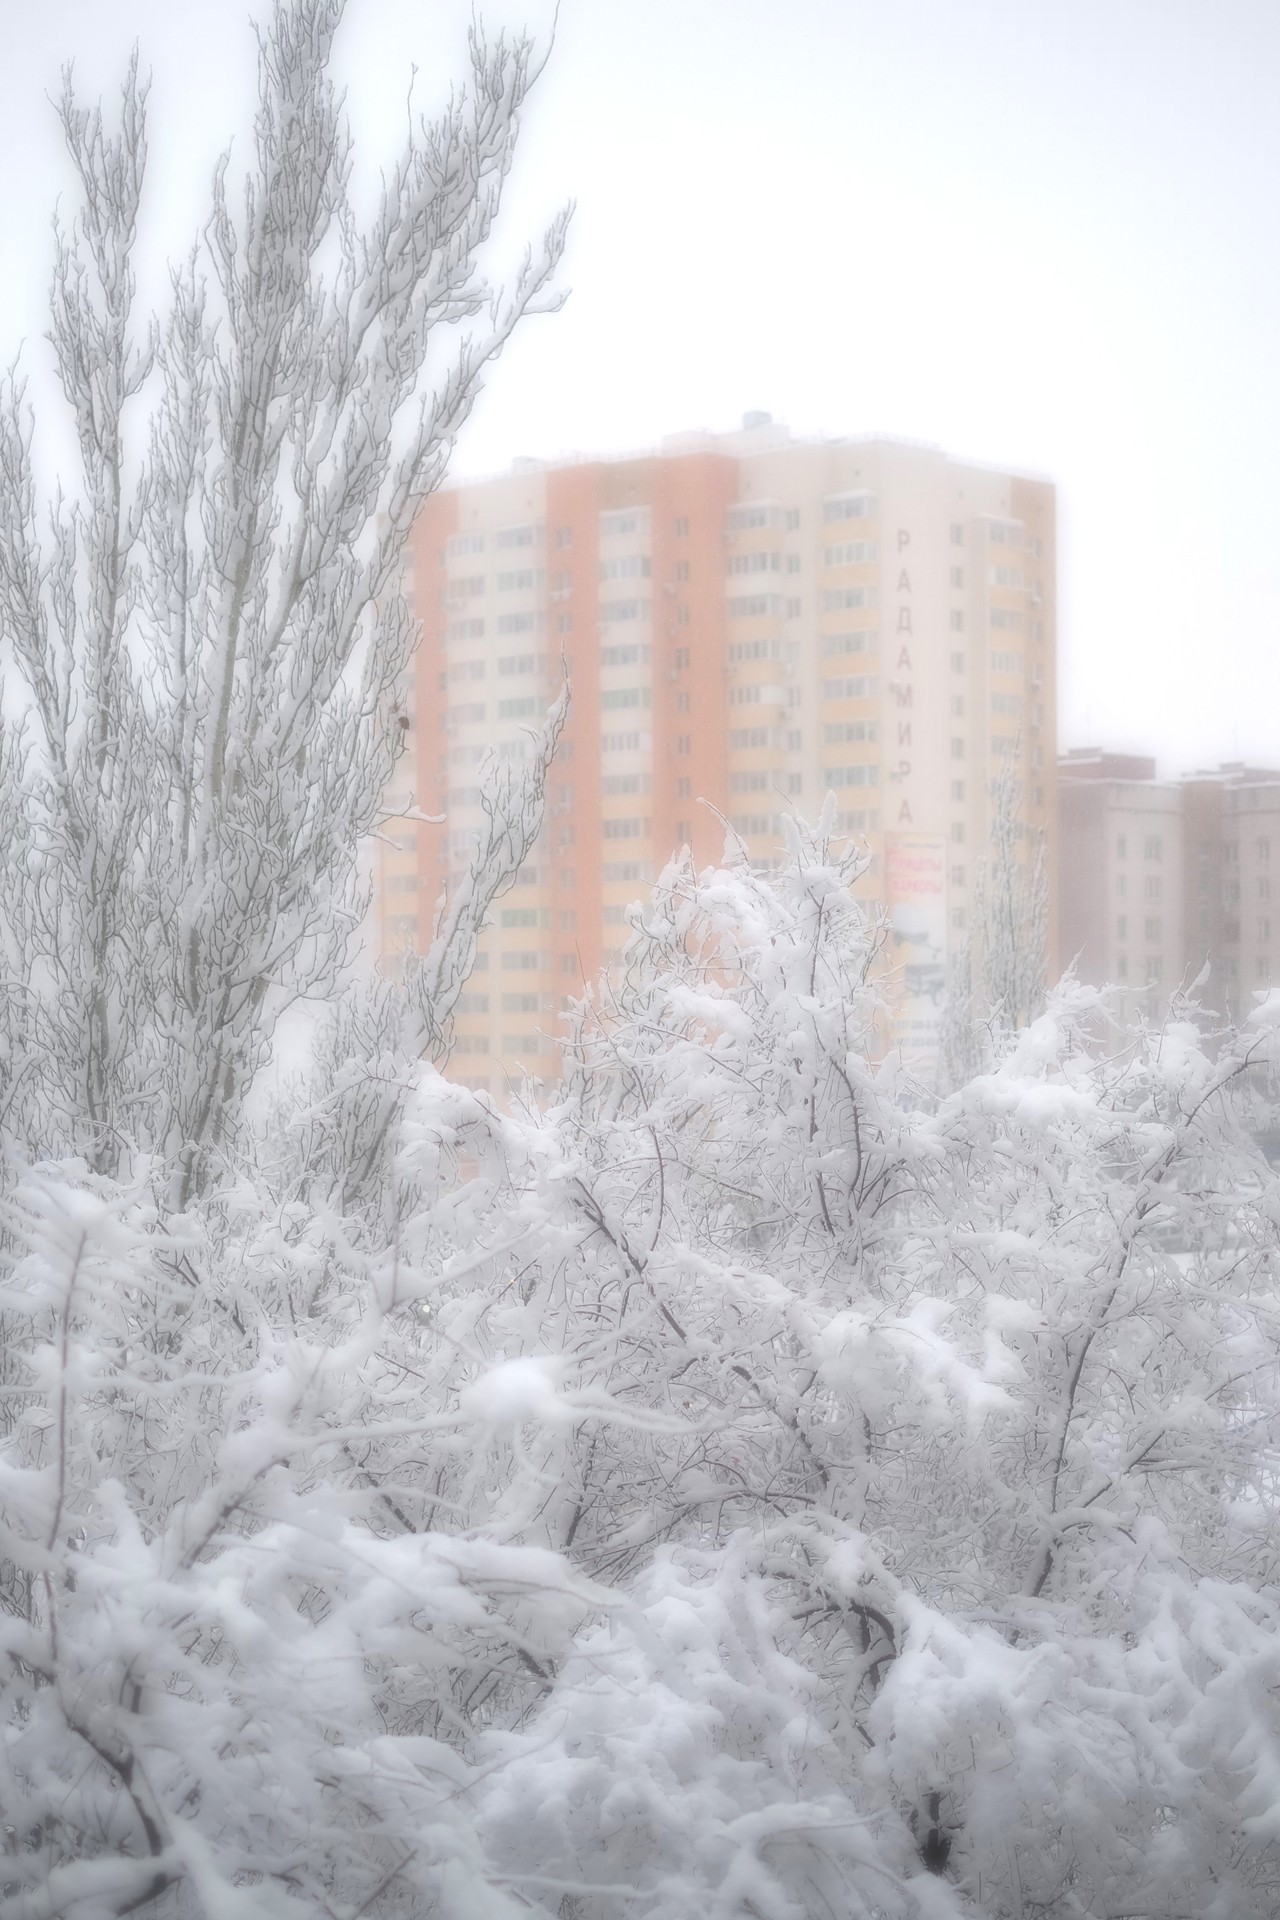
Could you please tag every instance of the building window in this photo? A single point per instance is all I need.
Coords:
(680, 659)
(863, 640)
(682, 703)
(1122, 927)
(682, 788)
(957, 663)
(856, 686)
(957, 876)
(1122, 967)
(957, 789)
(1122, 886)
(525, 917)
(957, 919)
(957, 706)
(759, 560)
(793, 519)
(517, 622)
(682, 528)
(684, 743)
(624, 520)
(848, 506)
(1153, 847)
(627, 566)
(957, 748)
(465, 543)
(752, 513)
(1153, 969)
(1122, 847)
(957, 832)
(1263, 852)
(957, 576)
(1151, 887)
(1152, 929)
(682, 569)
(849, 553)
(957, 534)
(957, 620)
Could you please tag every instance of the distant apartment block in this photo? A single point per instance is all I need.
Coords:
(1158, 877)
(749, 622)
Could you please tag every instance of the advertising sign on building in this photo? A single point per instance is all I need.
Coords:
(916, 900)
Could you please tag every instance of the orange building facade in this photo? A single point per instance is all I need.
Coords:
(749, 622)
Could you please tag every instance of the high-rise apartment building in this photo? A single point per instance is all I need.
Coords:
(1156, 878)
(749, 622)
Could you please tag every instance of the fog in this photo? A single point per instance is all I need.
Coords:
(1044, 237)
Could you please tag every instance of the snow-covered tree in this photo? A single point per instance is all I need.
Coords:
(998, 974)
(203, 638)
(205, 634)
(931, 1451)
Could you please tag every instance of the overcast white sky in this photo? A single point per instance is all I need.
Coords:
(1039, 233)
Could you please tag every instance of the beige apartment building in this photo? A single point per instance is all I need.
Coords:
(749, 622)
(1156, 878)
